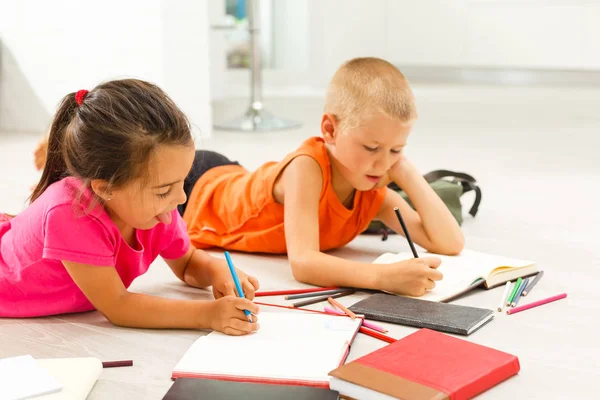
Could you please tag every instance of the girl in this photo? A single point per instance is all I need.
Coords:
(104, 209)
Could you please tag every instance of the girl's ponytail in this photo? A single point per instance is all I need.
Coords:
(56, 168)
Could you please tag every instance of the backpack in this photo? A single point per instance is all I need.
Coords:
(449, 185)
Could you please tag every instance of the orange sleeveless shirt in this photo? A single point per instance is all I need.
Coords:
(234, 209)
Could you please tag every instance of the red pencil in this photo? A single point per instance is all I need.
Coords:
(292, 291)
(376, 335)
(291, 308)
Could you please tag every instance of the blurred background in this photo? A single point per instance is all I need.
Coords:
(507, 91)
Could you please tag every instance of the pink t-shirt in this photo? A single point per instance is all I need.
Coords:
(60, 226)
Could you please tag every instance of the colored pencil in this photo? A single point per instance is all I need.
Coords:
(538, 303)
(289, 307)
(341, 307)
(406, 234)
(236, 280)
(504, 296)
(292, 291)
(113, 364)
(533, 283)
(313, 294)
(520, 292)
(369, 325)
(514, 291)
(315, 300)
(376, 335)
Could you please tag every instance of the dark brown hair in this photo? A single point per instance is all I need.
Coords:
(112, 134)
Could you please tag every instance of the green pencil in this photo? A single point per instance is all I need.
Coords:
(514, 291)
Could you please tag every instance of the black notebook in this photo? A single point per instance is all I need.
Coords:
(209, 389)
(441, 317)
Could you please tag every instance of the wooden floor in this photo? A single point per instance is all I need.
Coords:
(534, 152)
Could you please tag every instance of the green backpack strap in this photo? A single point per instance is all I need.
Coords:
(467, 182)
(449, 185)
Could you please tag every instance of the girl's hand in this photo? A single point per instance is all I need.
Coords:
(223, 285)
(227, 315)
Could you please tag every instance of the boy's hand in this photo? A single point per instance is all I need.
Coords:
(403, 169)
(410, 277)
(397, 171)
(227, 315)
(223, 285)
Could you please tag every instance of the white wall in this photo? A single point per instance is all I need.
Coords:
(503, 34)
(61, 46)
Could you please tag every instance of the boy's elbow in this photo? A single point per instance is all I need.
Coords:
(454, 246)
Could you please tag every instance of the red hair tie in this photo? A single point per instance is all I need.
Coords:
(80, 95)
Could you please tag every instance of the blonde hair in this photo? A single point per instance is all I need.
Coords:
(365, 86)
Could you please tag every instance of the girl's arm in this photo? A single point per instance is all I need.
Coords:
(431, 226)
(199, 269)
(105, 290)
(302, 182)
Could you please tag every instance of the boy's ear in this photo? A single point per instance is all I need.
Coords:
(102, 189)
(329, 127)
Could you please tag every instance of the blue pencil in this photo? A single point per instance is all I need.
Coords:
(520, 292)
(237, 283)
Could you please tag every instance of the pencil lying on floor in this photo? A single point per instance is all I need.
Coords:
(533, 283)
(520, 292)
(319, 299)
(504, 296)
(293, 291)
(515, 310)
(367, 324)
(376, 335)
(313, 294)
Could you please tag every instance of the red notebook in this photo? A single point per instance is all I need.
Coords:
(425, 365)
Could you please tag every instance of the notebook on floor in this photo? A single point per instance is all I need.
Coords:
(290, 348)
(451, 318)
(468, 270)
(77, 375)
(22, 378)
(210, 389)
(423, 366)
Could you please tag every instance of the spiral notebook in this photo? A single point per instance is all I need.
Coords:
(290, 348)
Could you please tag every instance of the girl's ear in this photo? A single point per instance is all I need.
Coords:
(329, 127)
(101, 188)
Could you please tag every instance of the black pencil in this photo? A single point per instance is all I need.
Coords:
(319, 299)
(410, 242)
(313, 294)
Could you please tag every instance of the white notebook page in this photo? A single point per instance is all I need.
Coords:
(459, 271)
(22, 378)
(289, 345)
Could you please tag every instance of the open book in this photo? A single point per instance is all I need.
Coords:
(468, 270)
(290, 348)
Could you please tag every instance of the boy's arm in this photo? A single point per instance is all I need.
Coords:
(302, 183)
(431, 226)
